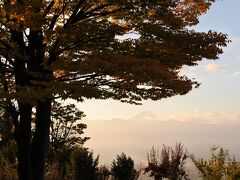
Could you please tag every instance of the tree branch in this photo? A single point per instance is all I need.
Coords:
(74, 13)
(56, 16)
(98, 8)
(49, 7)
(86, 77)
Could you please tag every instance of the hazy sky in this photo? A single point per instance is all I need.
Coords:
(218, 97)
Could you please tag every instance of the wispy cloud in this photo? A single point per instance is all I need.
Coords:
(235, 74)
(212, 68)
(206, 116)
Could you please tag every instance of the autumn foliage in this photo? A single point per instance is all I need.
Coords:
(85, 49)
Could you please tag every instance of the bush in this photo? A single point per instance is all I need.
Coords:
(218, 166)
(169, 164)
(82, 165)
(104, 173)
(123, 168)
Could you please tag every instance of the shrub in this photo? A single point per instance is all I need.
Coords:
(104, 173)
(123, 168)
(218, 166)
(82, 165)
(169, 164)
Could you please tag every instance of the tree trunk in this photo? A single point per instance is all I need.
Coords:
(23, 131)
(31, 154)
(23, 142)
(40, 139)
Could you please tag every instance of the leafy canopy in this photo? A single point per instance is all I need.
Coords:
(79, 48)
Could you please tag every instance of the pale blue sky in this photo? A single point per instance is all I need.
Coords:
(216, 100)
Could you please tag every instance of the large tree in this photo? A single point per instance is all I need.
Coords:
(77, 49)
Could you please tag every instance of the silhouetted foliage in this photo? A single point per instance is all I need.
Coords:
(82, 165)
(70, 49)
(8, 163)
(6, 127)
(123, 168)
(218, 166)
(65, 134)
(8, 148)
(169, 164)
(104, 173)
(65, 128)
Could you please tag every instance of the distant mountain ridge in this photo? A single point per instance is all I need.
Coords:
(144, 116)
(136, 136)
